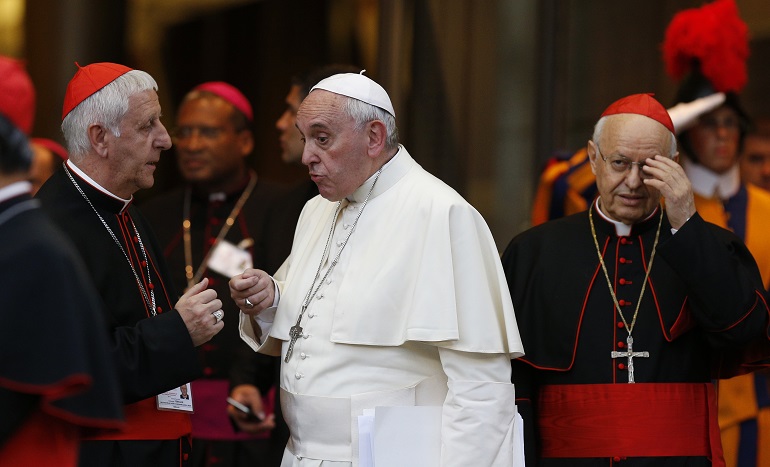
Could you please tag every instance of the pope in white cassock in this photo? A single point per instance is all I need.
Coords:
(393, 295)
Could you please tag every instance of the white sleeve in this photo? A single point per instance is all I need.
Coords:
(255, 337)
(479, 410)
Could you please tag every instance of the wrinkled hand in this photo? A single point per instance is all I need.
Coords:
(257, 286)
(668, 177)
(249, 396)
(196, 307)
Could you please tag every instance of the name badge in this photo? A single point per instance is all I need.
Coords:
(178, 399)
(229, 260)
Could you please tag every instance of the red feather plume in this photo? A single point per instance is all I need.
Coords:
(716, 38)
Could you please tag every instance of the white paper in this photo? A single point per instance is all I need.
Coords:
(365, 438)
(518, 442)
(229, 260)
(407, 436)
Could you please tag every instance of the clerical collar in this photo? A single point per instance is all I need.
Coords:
(200, 192)
(14, 189)
(93, 183)
(392, 172)
(621, 229)
(712, 185)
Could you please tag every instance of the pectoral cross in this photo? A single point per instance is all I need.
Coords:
(630, 354)
(295, 333)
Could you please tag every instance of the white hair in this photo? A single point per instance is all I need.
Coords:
(105, 107)
(599, 127)
(363, 113)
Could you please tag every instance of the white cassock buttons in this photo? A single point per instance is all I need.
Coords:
(298, 375)
(303, 355)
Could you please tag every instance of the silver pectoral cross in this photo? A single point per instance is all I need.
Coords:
(630, 354)
(295, 332)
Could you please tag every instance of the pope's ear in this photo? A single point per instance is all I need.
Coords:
(377, 134)
(97, 136)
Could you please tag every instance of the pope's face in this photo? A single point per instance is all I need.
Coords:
(134, 154)
(335, 151)
(635, 138)
(715, 139)
(290, 138)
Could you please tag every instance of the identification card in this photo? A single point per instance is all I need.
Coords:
(178, 399)
(229, 260)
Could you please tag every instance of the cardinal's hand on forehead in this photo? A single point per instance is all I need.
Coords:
(668, 177)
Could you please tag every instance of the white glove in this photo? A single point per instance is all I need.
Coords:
(684, 115)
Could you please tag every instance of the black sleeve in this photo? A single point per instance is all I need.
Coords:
(154, 356)
(723, 281)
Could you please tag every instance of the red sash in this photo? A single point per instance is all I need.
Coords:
(145, 421)
(42, 440)
(629, 420)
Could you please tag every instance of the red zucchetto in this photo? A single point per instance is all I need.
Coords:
(641, 104)
(88, 80)
(17, 94)
(229, 93)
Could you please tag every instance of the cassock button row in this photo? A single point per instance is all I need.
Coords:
(143, 263)
(340, 243)
(621, 325)
(622, 260)
(305, 336)
(298, 376)
(319, 296)
(622, 281)
(328, 280)
(621, 344)
(151, 286)
(159, 309)
(135, 239)
(346, 226)
(311, 315)
(303, 355)
(623, 240)
(622, 302)
(621, 366)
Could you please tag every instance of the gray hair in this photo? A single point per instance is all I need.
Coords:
(105, 107)
(599, 127)
(363, 113)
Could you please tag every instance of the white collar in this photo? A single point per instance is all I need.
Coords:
(93, 183)
(712, 185)
(621, 229)
(392, 172)
(15, 189)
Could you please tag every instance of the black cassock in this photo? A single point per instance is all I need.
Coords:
(55, 371)
(704, 296)
(153, 352)
(263, 222)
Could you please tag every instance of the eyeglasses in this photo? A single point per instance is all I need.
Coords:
(183, 133)
(621, 165)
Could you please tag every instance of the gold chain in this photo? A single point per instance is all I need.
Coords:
(186, 226)
(607, 275)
